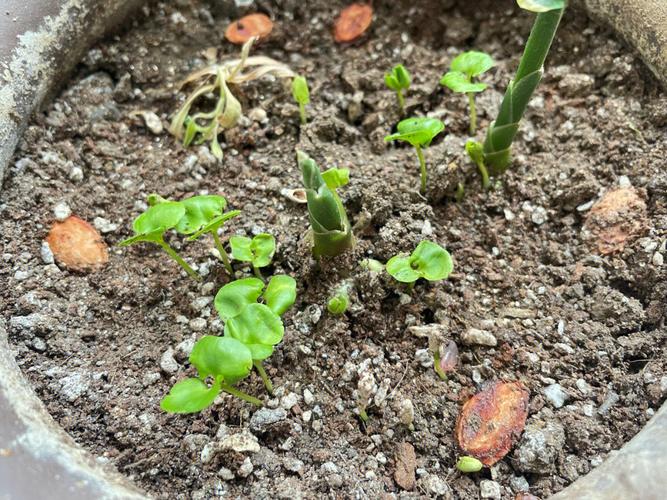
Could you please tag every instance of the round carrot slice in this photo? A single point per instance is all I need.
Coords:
(352, 22)
(241, 30)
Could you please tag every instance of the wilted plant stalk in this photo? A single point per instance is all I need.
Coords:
(497, 147)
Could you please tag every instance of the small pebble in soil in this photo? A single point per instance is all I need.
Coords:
(434, 485)
(519, 483)
(225, 474)
(475, 336)
(246, 468)
(610, 400)
(150, 378)
(424, 358)
(103, 225)
(61, 211)
(539, 447)
(556, 395)
(289, 401)
(241, 442)
(264, 417)
(489, 489)
(197, 324)
(75, 174)
(539, 216)
(46, 253)
(308, 397)
(167, 362)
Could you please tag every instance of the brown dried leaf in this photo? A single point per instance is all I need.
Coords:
(406, 463)
(252, 25)
(77, 245)
(492, 421)
(352, 22)
(617, 219)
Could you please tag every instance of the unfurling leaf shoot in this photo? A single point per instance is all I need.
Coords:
(301, 95)
(398, 80)
(429, 261)
(258, 251)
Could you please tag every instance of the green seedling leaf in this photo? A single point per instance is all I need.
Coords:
(336, 177)
(469, 464)
(200, 210)
(460, 82)
(280, 293)
(429, 260)
(152, 224)
(337, 304)
(258, 327)
(232, 298)
(372, 265)
(223, 357)
(472, 63)
(259, 250)
(541, 5)
(215, 223)
(190, 396)
(300, 90)
(417, 131)
(398, 79)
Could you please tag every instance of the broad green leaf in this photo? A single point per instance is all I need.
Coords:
(336, 177)
(189, 396)
(260, 351)
(300, 90)
(241, 248)
(460, 82)
(221, 357)
(232, 298)
(399, 267)
(280, 293)
(472, 63)
(200, 210)
(263, 246)
(431, 261)
(417, 131)
(541, 5)
(215, 223)
(257, 324)
(151, 225)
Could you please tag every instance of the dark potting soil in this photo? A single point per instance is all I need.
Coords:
(583, 331)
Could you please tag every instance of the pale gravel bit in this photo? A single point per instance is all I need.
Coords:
(624, 182)
(610, 400)
(265, 417)
(475, 336)
(424, 358)
(519, 483)
(103, 225)
(225, 474)
(167, 362)
(73, 386)
(246, 468)
(242, 442)
(45, 253)
(658, 259)
(307, 415)
(382, 392)
(289, 401)
(509, 215)
(583, 386)
(308, 397)
(61, 211)
(184, 349)
(150, 378)
(317, 425)
(21, 275)
(489, 489)
(406, 412)
(563, 348)
(539, 216)
(197, 324)
(435, 485)
(293, 465)
(663, 384)
(556, 395)
(201, 302)
(427, 228)
(76, 174)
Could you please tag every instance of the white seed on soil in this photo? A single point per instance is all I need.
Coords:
(475, 336)
(167, 362)
(61, 211)
(556, 395)
(46, 254)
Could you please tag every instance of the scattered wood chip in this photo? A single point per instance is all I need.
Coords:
(77, 245)
(406, 463)
(491, 421)
(616, 220)
(252, 25)
(352, 22)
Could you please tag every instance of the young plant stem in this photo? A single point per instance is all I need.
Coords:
(422, 168)
(460, 191)
(302, 113)
(436, 366)
(174, 255)
(241, 395)
(473, 113)
(257, 272)
(265, 378)
(401, 101)
(363, 415)
(484, 173)
(221, 250)
(411, 286)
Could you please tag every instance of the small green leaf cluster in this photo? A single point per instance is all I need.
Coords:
(429, 261)
(251, 311)
(339, 302)
(190, 217)
(301, 95)
(398, 80)
(418, 132)
(258, 251)
(469, 464)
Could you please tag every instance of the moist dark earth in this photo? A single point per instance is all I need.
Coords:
(584, 331)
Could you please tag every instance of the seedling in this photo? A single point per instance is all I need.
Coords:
(429, 261)
(419, 132)
(258, 251)
(226, 361)
(501, 133)
(461, 78)
(257, 325)
(398, 81)
(330, 229)
(469, 464)
(445, 357)
(301, 95)
(153, 223)
(475, 151)
(340, 301)
(203, 127)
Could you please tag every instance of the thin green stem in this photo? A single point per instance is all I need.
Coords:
(473, 113)
(221, 250)
(302, 113)
(460, 191)
(411, 286)
(265, 378)
(363, 415)
(257, 272)
(401, 101)
(485, 175)
(241, 395)
(174, 255)
(422, 168)
(436, 366)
